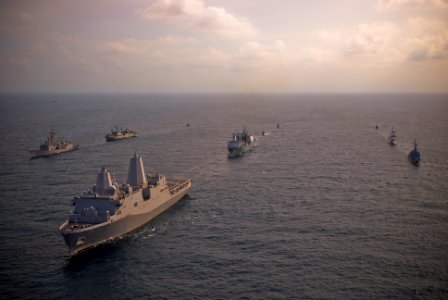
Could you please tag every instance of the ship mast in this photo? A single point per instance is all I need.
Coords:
(51, 138)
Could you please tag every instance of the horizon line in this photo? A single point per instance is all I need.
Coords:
(50, 93)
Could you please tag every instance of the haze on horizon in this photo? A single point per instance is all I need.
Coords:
(287, 46)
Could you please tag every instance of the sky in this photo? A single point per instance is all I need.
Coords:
(224, 46)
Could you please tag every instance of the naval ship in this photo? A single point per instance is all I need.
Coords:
(110, 210)
(240, 143)
(51, 147)
(115, 135)
(392, 140)
(414, 155)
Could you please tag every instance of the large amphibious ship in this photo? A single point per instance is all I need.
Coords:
(116, 134)
(51, 147)
(240, 143)
(110, 210)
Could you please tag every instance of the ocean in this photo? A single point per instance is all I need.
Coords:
(321, 208)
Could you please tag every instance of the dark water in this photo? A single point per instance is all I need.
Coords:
(322, 208)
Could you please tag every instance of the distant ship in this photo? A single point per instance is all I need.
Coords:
(414, 155)
(110, 210)
(240, 143)
(51, 147)
(119, 135)
(392, 140)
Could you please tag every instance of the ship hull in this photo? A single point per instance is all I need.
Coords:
(117, 138)
(413, 160)
(79, 241)
(39, 153)
(240, 151)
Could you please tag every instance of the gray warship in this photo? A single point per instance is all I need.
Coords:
(116, 134)
(240, 143)
(51, 147)
(392, 140)
(414, 155)
(110, 210)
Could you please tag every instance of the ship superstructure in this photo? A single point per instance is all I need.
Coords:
(110, 210)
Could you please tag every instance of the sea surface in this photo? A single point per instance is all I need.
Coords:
(321, 208)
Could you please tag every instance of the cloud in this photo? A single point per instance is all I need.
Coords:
(413, 40)
(372, 38)
(123, 48)
(144, 48)
(426, 40)
(394, 5)
(183, 52)
(212, 58)
(176, 40)
(258, 55)
(198, 16)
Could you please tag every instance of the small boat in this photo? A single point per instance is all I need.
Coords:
(392, 140)
(414, 155)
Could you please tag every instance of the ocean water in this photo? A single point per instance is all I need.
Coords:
(321, 208)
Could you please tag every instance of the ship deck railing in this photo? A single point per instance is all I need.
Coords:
(176, 186)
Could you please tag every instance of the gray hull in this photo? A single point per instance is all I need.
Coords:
(243, 149)
(45, 153)
(80, 240)
(117, 138)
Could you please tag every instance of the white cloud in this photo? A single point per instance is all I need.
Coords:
(123, 48)
(212, 58)
(416, 39)
(258, 55)
(176, 40)
(426, 40)
(393, 5)
(197, 15)
(372, 38)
